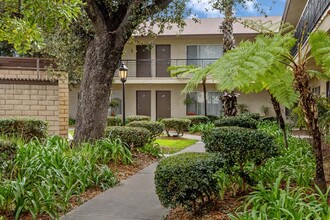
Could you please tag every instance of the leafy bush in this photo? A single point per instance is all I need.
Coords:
(152, 149)
(199, 128)
(187, 178)
(137, 118)
(273, 202)
(114, 121)
(255, 116)
(197, 119)
(237, 121)
(7, 154)
(155, 128)
(240, 146)
(49, 173)
(27, 128)
(132, 136)
(178, 124)
(325, 123)
(297, 117)
(212, 118)
(72, 121)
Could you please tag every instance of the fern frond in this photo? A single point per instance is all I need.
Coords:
(181, 71)
(320, 49)
(268, 27)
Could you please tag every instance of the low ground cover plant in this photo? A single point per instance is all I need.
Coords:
(199, 128)
(137, 118)
(26, 128)
(48, 173)
(134, 137)
(155, 128)
(187, 179)
(178, 124)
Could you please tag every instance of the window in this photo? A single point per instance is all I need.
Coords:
(203, 55)
(195, 103)
(317, 90)
(115, 103)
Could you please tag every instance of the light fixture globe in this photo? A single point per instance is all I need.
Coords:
(123, 72)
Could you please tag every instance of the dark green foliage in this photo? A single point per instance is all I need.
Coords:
(72, 122)
(114, 121)
(132, 136)
(137, 118)
(155, 128)
(196, 119)
(268, 118)
(27, 128)
(178, 124)
(212, 118)
(255, 116)
(7, 153)
(186, 179)
(241, 145)
(237, 121)
(199, 128)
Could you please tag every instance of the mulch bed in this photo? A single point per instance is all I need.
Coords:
(121, 172)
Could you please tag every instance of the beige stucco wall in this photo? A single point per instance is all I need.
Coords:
(23, 94)
(178, 109)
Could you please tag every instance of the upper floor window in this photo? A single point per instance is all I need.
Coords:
(203, 55)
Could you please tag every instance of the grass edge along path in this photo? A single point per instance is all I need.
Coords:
(171, 145)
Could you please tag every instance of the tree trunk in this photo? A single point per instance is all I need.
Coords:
(205, 98)
(309, 107)
(280, 119)
(102, 58)
(229, 101)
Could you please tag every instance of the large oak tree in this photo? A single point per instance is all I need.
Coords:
(114, 22)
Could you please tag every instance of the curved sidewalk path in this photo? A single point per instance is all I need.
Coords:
(134, 198)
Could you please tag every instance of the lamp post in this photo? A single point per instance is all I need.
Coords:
(123, 72)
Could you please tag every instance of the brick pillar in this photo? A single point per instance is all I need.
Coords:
(63, 93)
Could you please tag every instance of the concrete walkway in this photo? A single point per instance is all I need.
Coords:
(134, 199)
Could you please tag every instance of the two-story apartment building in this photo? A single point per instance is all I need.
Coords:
(149, 88)
(309, 16)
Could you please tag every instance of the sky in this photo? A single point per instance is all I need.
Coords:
(203, 10)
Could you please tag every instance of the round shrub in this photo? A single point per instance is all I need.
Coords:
(132, 136)
(137, 118)
(197, 119)
(238, 146)
(27, 128)
(7, 154)
(255, 116)
(155, 128)
(186, 179)
(114, 121)
(178, 124)
(212, 118)
(237, 121)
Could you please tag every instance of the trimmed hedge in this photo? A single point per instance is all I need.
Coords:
(240, 144)
(196, 119)
(236, 121)
(132, 136)
(186, 179)
(114, 121)
(212, 118)
(178, 124)
(137, 118)
(255, 116)
(155, 128)
(27, 128)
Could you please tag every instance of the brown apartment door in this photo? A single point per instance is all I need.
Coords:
(143, 103)
(163, 104)
(143, 61)
(163, 60)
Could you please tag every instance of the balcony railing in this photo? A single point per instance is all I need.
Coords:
(158, 67)
(311, 16)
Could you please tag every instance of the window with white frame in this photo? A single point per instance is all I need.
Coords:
(195, 103)
(203, 55)
(115, 103)
(317, 90)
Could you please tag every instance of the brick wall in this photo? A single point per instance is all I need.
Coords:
(26, 92)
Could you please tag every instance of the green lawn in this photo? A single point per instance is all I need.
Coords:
(170, 145)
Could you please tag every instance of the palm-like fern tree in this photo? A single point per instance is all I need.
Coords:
(268, 63)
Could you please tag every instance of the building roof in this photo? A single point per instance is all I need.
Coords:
(210, 26)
